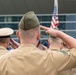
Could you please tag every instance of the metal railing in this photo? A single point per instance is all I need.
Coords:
(67, 23)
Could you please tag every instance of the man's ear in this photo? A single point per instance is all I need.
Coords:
(8, 40)
(38, 36)
(49, 41)
(17, 34)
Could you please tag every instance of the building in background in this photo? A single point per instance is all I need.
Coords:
(11, 12)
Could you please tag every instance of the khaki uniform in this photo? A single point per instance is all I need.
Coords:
(29, 60)
(3, 50)
(73, 71)
(67, 72)
(4, 33)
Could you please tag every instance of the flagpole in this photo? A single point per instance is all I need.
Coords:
(54, 21)
(56, 4)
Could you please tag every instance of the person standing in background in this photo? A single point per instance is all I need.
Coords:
(5, 34)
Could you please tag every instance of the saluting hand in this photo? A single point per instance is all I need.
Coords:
(50, 31)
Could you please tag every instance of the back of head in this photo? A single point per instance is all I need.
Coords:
(3, 40)
(5, 34)
(29, 21)
(29, 25)
(55, 42)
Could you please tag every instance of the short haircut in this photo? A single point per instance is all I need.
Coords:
(55, 39)
(3, 40)
(29, 33)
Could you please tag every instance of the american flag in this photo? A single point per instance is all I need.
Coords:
(55, 21)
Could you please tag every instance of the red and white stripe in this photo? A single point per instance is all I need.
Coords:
(55, 21)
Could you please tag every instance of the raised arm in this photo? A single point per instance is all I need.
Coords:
(56, 33)
(14, 43)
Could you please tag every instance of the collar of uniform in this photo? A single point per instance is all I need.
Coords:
(2, 48)
(54, 48)
(27, 45)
